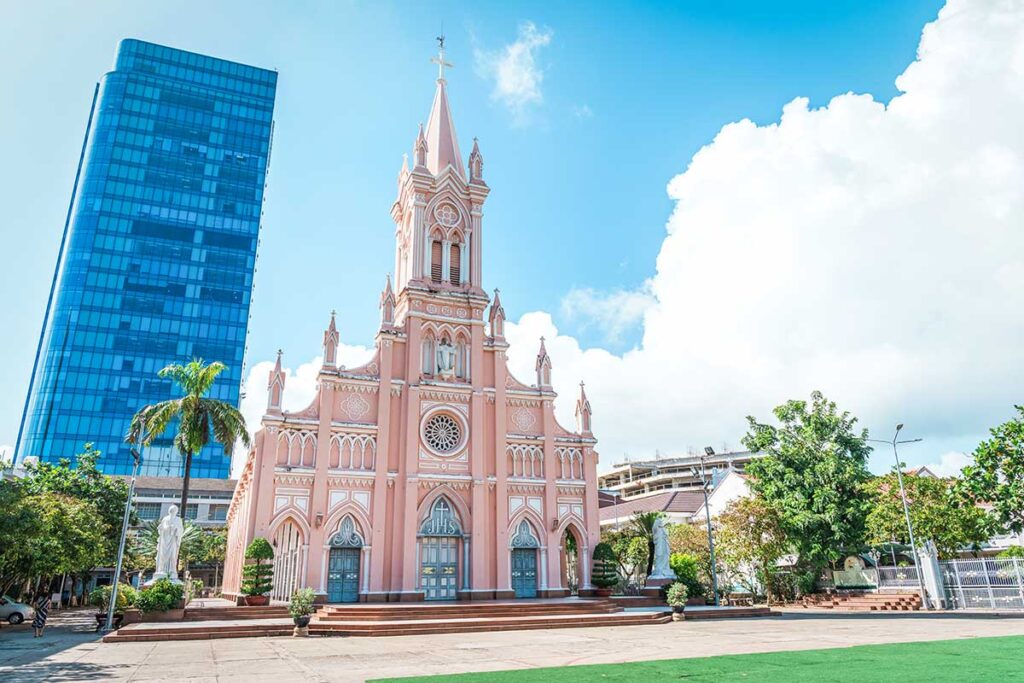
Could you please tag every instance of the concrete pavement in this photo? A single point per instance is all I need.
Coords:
(356, 659)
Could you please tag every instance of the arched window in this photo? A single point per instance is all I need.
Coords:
(429, 361)
(435, 260)
(455, 264)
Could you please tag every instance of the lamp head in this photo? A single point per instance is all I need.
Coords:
(709, 451)
(899, 426)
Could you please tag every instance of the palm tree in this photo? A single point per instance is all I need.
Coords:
(199, 418)
(642, 525)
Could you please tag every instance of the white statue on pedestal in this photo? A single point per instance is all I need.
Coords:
(661, 568)
(445, 359)
(171, 530)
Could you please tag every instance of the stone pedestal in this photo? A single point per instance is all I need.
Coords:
(652, 589)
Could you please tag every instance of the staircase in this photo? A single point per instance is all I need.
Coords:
(391, 619)
(864, 602)
(464, 617)
(232, 613)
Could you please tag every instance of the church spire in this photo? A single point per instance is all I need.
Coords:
(543, 367)
(583, 412)
(442, 145)
(387, 304)
(497, 317)
(331, 344)
(275, 387)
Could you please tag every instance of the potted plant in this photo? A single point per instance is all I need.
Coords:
(164, 600)
(258, 578)
(604, 574)
(301, 607)
(100, 599)
(676, 598)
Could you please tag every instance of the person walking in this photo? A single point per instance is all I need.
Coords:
(42, 606)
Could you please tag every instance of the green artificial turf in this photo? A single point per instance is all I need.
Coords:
(973, 659)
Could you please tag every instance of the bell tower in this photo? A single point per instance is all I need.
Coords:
(438, 212)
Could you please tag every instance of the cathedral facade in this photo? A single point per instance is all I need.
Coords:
(430, 473)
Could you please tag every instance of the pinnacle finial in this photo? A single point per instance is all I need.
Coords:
(439, 59)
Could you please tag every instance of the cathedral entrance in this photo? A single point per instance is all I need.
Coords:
(343, 562)
(524, 572)
(439, 552)
(439, 569)
(343, 575)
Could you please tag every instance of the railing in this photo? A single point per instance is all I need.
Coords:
(898, 577)
(988, 583)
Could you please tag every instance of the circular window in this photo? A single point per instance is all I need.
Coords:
(443, 433)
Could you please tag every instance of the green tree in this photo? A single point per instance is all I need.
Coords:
(687, 571)
(85, 482)
(68, 540)
(996, 476)
(604, 573)
(1013, 552)
(258, 578)
(642, 525)
(692, 539)
(933, 512)
(812, 476)
(198, 418)
(750, 541)
(18, 523)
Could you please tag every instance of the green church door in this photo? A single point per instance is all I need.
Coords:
(524, 572)
(439, 567)
(343, 575)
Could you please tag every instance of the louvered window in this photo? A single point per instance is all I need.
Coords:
(435, 261)
(456, 263)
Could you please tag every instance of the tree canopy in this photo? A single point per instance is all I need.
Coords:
(933, 512)
(751, 541)
(996, 477)
(812, 476)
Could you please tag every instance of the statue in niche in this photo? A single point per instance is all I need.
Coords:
(446, 359)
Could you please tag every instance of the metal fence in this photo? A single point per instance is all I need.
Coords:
(988, 583)
(898, 577)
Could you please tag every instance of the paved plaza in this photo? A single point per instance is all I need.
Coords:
(70, 653)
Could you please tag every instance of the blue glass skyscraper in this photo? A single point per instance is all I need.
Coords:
(157, 259)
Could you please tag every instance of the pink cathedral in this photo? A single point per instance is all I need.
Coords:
(430, 473)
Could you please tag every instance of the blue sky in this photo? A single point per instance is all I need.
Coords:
(629, 93)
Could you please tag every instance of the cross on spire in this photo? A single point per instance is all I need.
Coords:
(439, 59)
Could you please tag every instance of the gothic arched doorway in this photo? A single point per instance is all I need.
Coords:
(287, 544)
(524, 561)
(440, 536)
(572, 570)
(343, 563)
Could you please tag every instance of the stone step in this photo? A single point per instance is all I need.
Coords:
(384, 614)
(224, 613)
(472, 624)
(728, 613)
(197, 631)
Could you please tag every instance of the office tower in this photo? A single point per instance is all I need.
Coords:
(157, 259)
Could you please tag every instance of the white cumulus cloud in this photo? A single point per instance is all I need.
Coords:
(950, 464)
(515, 71)
(613, 313)
(871, 251)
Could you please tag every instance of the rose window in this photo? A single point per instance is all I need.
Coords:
(442, 433)
(447, 215)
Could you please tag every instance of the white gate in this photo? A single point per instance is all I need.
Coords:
(987, 583)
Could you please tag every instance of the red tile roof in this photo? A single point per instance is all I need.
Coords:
(669, 501)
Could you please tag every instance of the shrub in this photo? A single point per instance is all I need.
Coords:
(605, 573)
(1014, 551)
(162, 596)
(100, 597)
(677, 595)
(686, 569)
(258, 578)
(302, 602)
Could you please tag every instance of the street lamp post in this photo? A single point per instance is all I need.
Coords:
(708, 452)
(906, 507)
(137, 458)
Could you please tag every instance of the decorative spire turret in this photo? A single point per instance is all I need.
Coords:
(583, 412)
(420, 151)
(497, 317)
(543, 367)
(387, 304)
(476, 164)
(331, 344)
(442, 145)
(275, 387)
